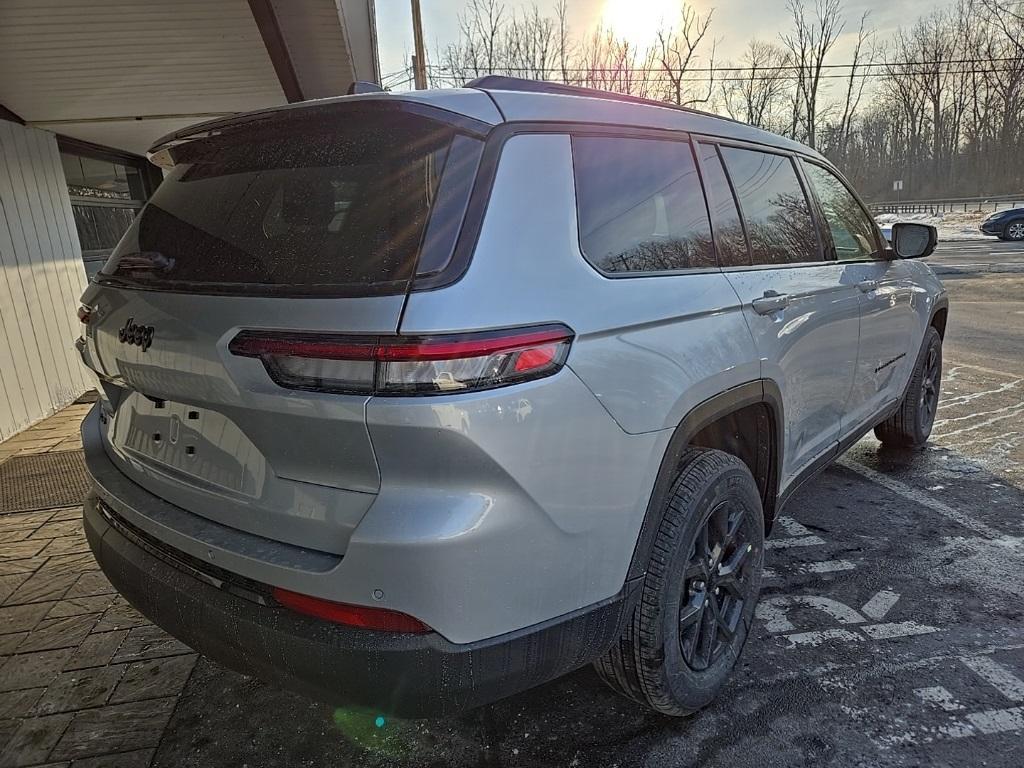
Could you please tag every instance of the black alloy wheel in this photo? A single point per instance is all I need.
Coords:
(717, 587)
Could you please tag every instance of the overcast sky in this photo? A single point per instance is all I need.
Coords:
(734, 23)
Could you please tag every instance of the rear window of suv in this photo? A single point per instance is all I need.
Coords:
(335, 205)
(641, 206)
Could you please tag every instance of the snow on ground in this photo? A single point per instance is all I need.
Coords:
(952, 225)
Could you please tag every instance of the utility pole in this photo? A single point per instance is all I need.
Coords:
(419, 61)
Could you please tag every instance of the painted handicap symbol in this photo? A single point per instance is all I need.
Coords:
(856, 626)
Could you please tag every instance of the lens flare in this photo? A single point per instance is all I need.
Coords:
(374, 732)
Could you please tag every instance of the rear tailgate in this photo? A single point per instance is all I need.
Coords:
(310, 224)
(210, 432)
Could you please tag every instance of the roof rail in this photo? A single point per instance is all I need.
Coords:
(503, 83)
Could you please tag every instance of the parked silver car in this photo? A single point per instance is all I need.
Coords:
(418, 400)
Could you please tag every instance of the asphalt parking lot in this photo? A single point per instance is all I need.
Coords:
(890, 631)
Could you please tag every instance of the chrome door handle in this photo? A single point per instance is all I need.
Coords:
(770, 302)
(867, 286)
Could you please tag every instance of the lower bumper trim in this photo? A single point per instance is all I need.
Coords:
(398, 674)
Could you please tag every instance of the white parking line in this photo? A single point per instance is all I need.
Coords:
(940, 697)
(803, 541)
(919, 497)
(949, 402)
(998, 720)
(897, 629)
(996, 675)
(822, 566)
(1008, 412)
(792, 527)
(824, 636)
(773, 611)
(880, 604)
(983, 369)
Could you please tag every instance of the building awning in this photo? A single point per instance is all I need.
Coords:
(123, 74)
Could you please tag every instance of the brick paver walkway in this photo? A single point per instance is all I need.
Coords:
(85, 681)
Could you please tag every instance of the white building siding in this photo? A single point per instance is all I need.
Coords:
(41, 279)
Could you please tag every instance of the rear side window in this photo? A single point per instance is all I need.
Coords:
(774, 207)
(334, 205)
(725, 218)
(853, 232)
(640, 205)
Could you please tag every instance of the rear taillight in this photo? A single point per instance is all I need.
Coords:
(84, 315)
(396, 365)
(361, 616)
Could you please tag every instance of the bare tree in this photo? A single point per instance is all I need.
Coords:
(943, 108)
(612, 63)
(863, 53)
(753, 91)
(565, 45)
(809, 44)
(1008, 15)
(677, 51)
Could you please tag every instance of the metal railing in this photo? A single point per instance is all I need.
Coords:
(965, 204)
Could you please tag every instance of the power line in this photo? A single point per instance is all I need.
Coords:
(774, 67)
(655, 75)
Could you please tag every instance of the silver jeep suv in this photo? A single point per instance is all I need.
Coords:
(417, 400)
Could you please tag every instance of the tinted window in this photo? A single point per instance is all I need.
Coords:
(774, 207)
(641, 208)
(853, 233)
(314, 204)
(725, 219)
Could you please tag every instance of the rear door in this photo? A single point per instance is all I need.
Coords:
(306, 224)
(888, 295)
(801, 310)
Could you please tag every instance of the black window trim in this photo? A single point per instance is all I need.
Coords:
(880, 252)
(484, 186)
(481, 194)
(735, 200)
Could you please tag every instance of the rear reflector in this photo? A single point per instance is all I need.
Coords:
(395, 365)
(360, 616)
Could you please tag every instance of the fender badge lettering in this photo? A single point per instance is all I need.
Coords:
(887, 363)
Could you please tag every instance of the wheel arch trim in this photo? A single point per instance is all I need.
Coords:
(941, 305)
(759, 391)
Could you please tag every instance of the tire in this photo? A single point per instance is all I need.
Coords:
(1013, 231)
(673, 666)
(912, 423)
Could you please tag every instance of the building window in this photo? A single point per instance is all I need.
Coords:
(106, 191)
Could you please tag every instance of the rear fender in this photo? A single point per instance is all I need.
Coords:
(759, 391)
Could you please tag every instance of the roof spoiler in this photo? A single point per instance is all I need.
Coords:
(162, 151)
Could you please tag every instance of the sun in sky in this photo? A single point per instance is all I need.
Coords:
(638, 20)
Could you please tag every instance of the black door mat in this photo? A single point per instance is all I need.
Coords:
(88, 397)
(43, 481)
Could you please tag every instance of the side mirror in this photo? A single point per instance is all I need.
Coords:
(914, 241)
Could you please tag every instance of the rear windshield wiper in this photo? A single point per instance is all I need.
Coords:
(145, 260)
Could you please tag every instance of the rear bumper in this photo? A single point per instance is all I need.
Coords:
(403, 675)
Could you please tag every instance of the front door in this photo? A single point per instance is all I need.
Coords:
(801, 308)
(886, 296)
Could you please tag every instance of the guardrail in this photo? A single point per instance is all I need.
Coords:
(990, 203)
